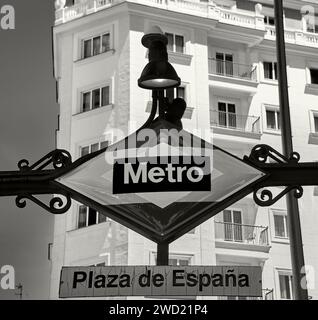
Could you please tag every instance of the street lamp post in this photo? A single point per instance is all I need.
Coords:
(157, 76)
(295, 236)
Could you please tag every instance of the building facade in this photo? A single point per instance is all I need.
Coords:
(225, 53)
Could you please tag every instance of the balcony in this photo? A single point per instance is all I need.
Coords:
(227, 75)
(268, 294)
(233, 124)
(78, 10)
(254, 20)
(229, 69)
(207, 10)
(299, 37)
(244, 236)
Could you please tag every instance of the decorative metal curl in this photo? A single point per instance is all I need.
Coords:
(58, 158)
(262, 152)
(266, 198)
(56, 205)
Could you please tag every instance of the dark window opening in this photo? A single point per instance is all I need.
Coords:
(314, 76)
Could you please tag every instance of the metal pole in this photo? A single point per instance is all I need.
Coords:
(20, 288)
(153, 111)
(295, 237)
(162, 247)
(161, 104)
(163, 253)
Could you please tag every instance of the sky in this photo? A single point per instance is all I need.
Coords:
(27, 131)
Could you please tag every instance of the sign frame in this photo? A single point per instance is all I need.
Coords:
(154, 281)
(130, 216)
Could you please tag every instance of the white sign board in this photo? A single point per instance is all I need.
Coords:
(161, 184)
(161, 281)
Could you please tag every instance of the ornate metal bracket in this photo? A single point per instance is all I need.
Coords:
(260, 155)
(58, 158)
(37, 179)
(56, 205)
(265, 198)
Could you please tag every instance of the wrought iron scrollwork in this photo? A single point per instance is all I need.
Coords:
(56, 205)
(265, 198)
(44, 170)
(260, 154)
(58, 158)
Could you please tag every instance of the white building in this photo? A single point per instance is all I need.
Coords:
(224, 52)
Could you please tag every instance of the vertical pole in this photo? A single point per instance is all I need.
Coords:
(295, 236)
(20, 288)
(163, 254)
(161, 104)
(153, 111)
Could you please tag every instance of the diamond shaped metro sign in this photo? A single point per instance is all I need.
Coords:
(161, 182)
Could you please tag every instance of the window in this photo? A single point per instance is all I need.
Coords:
(175, 43)
(49, 251)
(233, 298)
(176, 259)
(311, 27)
(93, 147)
(273, 119)
(224, 64)
(95, 98)
(316, 123)
(285, 285)
(232, 225)
(280, 225)
(227, 115)
(314, 76)
(69, 3)
(270, 70)
(96, 45)
(269, 21)
(179, 92)
(179, 261)
(104, 263)
(88, 217)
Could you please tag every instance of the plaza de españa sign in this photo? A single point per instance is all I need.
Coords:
(160, 181)
(161, 281)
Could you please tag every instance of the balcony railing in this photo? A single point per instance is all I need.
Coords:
(240, 233)
(268, 294)
(206, 10)
(232, 70)
(299, 37)
(233, 121)
(252, 20)
(78, 10)
(90, 6)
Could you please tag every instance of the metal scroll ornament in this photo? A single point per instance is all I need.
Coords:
(56, 204)
(265, 198)
(262, 154)
(58, 159)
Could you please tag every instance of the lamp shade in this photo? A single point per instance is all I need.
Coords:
(158, 75)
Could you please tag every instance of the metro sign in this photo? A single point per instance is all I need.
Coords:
(148, 176)
(161, 182)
